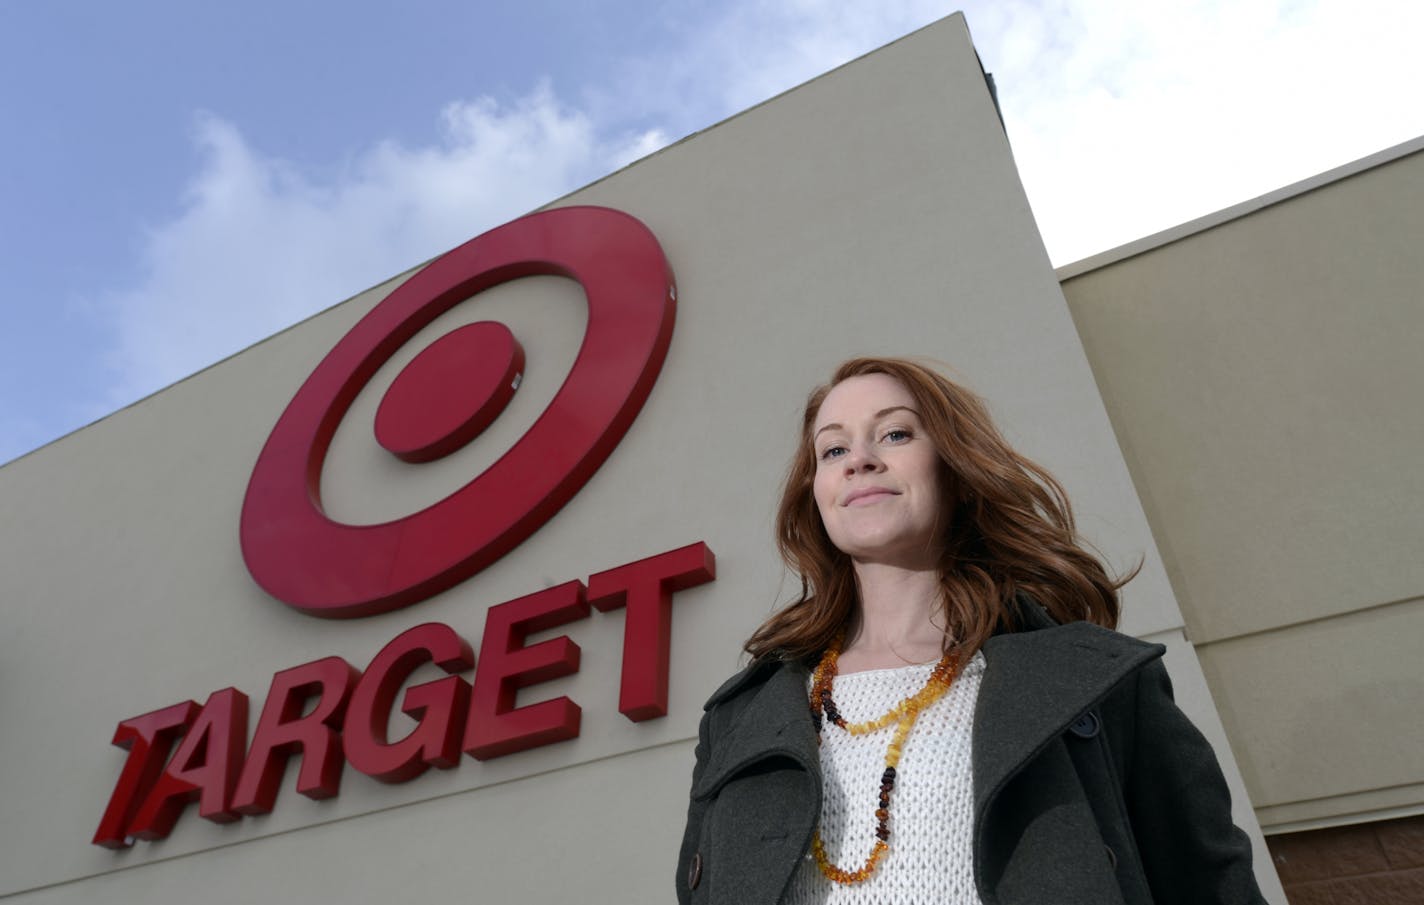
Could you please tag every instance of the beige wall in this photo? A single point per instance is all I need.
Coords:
(1264, 371)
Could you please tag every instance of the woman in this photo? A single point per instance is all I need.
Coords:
(976, 732)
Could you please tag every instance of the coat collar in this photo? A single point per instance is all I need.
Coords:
(1036, 683)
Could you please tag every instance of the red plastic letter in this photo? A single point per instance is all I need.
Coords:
(495, 726)
(439, 705)
(646, 588)
(204, 767)
(147, 738)
(282, 731)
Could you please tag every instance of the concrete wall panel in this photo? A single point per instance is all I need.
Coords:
(1263, 377)
(1325, 711)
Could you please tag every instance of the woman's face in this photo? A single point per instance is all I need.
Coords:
(877, 482)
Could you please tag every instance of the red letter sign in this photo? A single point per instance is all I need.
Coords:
(147, 739)
(496, 727)
(282, 731)
(204, 767)
(646, 587)
(439, 705)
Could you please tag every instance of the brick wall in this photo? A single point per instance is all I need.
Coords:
(1367, 864)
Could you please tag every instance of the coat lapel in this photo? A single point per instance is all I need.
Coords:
(776, 722)
(1035, 684)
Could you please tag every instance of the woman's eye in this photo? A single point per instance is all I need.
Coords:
(898, 435)
(832, 452)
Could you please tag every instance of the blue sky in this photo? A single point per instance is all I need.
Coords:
(179, 180)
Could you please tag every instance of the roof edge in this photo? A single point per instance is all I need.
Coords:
(1237, 211)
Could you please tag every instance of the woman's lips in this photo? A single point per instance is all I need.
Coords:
(866, 496)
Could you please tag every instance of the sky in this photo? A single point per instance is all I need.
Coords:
(179, 180)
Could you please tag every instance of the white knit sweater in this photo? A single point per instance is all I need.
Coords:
(931, 809)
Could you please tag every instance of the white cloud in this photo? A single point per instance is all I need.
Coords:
(1128, 118)
(639, 146)
(260, 244)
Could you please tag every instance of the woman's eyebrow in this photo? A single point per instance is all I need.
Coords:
(836, 425)
(895, 408)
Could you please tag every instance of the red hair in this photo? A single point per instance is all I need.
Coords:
(1010, 530)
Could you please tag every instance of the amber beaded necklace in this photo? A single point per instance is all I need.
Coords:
(903, 716)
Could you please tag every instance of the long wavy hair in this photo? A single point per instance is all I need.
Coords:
(1009, 531)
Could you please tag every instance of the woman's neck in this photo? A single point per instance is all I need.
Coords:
(898, 620)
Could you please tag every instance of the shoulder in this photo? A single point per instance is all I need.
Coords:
(748, 681)
(1071, 647)
(1031, 628)
(1040, 680)
(769, 692)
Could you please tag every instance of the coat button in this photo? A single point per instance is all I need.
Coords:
(694, 871)
(1086, 726)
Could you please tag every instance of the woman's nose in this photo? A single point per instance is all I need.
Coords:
(861, 459)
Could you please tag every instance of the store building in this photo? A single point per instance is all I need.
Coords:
(242, 555)
(1261, 369)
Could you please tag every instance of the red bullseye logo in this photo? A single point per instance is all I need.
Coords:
(443, 399)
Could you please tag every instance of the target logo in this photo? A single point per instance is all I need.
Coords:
(443, 399)
(330, 711)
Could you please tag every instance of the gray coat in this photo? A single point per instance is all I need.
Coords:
(1090, 786)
